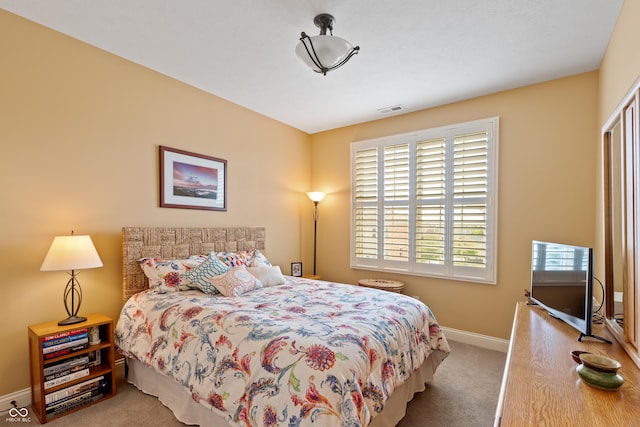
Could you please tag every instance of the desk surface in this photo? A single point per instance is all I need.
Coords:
(541, 386)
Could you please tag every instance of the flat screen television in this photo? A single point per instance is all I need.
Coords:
(562, 283)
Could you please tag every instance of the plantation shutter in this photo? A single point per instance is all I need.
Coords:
(430, 195)
(470, 187)
(424, 203)
(366, 208)
(396, 203)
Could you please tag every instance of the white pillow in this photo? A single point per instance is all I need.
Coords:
(258, 259)
(269, 276)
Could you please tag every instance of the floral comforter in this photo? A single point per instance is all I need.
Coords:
(299, 354)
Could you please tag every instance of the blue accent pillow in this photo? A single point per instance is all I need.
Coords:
(200, 276)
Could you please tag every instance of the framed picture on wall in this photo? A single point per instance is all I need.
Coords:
(192, 181)
(296, 269)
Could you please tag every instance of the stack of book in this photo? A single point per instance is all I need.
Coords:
(65, 371)
(69, 398)
(65, 343)
(59, 372)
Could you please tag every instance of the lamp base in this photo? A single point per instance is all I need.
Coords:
(72, 320)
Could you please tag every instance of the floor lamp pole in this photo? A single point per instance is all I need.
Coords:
(315, 231)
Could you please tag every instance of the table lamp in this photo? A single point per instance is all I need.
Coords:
(71, 253)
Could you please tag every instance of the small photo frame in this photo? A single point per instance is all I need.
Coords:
(192, 181)
(296, 269)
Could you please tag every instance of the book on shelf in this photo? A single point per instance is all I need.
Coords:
(64, 334)
(65, 365)
(74, 341)
(66, 350)
(101, 386)
(70, 407)
(99, 389)
(66, 372)
(73, 389)
(61, 340)
(62, 380)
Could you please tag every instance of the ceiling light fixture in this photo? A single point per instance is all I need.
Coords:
(323, 52)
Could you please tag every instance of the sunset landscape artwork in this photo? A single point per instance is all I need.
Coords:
(194, 181)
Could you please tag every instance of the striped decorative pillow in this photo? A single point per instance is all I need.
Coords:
(201, 275)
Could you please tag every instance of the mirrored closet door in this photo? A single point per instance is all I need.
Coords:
(622, 223)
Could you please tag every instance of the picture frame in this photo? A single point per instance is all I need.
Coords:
(296, 269)
(192, 181)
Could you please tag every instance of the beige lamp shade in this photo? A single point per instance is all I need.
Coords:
(316, 196)
(71, 253)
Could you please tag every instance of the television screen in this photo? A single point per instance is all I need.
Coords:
(562, 282)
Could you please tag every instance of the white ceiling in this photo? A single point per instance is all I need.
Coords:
(416, 53)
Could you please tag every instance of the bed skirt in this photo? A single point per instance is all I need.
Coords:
(178, 400)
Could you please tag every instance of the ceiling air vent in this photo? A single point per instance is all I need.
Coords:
(392, 109)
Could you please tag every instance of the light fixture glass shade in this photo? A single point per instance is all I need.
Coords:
(323, 53)
(316, 196)
(71, 253)
(331, 51)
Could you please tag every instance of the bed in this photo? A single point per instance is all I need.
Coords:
(284, 351)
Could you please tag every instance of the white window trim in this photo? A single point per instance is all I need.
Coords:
(491, 125)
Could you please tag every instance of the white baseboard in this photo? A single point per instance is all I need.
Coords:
(484, 341)
(23, 397)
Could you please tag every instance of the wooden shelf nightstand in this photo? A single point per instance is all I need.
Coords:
(311, 276)
(68, 372)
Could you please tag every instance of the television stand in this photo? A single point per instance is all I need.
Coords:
(540, 385)
(594, 336)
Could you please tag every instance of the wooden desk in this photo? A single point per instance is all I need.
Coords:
(541, 387)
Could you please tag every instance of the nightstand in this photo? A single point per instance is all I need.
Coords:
(69, 370)
(311, 276)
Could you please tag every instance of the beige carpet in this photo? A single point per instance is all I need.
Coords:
(464, 393)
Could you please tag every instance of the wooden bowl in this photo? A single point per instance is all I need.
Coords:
(600, 363)
(575, 355)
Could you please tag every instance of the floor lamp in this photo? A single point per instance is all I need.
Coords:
(316, 197)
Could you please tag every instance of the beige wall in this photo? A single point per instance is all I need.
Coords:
(619, 71)
(620, 67)
(79, 131)
(546, 192)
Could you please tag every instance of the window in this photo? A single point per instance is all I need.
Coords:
(425, 203)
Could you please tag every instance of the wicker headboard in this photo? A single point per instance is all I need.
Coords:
(175, 243)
